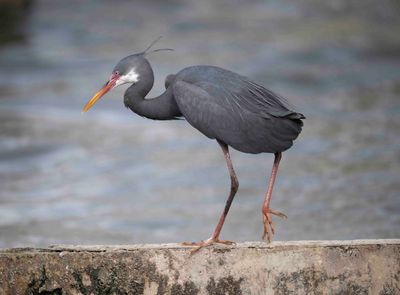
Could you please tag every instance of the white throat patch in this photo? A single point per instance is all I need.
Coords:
(130, 77)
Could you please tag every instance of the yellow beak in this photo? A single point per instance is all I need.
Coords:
(97, 96)
(109, 85)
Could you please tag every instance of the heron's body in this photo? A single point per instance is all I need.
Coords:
(222, 105)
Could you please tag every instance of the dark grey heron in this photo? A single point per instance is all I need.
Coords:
(222, 105)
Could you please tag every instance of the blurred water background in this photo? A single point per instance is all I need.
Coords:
(111, 177)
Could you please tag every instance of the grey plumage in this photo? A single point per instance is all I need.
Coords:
(219, 103)
(231, 108)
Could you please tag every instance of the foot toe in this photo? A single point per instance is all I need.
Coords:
(277, 213)
(206, 243)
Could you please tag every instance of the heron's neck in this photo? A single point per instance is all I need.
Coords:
(162, 107)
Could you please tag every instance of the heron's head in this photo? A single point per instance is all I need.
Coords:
(131, 69)
(128, 70)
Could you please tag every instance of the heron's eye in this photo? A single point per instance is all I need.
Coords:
(116, 72)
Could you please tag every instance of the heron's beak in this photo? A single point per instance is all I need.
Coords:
(107, 87)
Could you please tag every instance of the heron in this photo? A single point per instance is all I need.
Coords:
(222, 105)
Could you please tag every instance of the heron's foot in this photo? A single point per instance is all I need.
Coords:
(269, 226)
(206, 243)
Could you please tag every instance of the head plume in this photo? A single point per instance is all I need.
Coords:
(147, 52)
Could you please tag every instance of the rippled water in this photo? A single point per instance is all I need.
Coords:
(110, 176)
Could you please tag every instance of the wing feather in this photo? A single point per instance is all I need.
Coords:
(240, 91)
(231, 117)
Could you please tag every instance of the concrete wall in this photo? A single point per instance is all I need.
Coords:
(325, 267)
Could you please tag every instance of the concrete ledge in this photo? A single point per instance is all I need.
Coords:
(309, 267)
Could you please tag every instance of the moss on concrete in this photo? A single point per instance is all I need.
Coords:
(349, 267)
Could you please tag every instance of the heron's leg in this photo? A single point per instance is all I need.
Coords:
(266, 211)
(234, 188)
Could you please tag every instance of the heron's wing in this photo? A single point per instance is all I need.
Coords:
(245, 94)
(202, 111)
(210, 110)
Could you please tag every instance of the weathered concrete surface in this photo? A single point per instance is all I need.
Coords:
(326, 267)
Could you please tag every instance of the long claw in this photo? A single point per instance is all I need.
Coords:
(269, 233)
(206, 243)
(272, 227)
(277, 213)
(189, 243)
(265, 227)
(225, 242)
